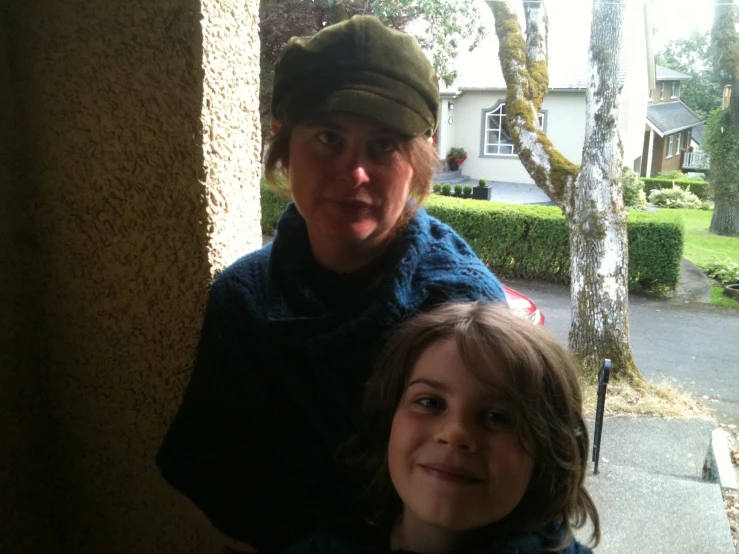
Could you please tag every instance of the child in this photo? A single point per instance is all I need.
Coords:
(474, 442)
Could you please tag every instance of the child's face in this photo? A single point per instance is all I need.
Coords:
(454, 456)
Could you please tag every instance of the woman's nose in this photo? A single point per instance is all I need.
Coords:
(456, 433)
(354, 167)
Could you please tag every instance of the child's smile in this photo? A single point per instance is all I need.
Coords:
(454, 455)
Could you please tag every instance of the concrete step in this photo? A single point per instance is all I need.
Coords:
(649, 491)
(649, 513)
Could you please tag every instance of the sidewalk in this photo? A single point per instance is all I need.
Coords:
(649, 491)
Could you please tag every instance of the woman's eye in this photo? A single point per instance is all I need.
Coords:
(431, 403)
(328, 138)
(384, 145)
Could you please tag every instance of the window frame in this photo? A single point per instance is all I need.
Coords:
(674, 89)
(484, 130)
(662, 90)
(670, 146)
(679, 140)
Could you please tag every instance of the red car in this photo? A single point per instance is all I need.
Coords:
(523, 306)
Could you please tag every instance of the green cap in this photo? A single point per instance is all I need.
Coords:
(362, 68)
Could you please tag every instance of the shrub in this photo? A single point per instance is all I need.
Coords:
(633, 190)
(437, 188)
(467, 191)
(699, 188)
(446, 188)
(272, 207)
(725, 272)
(458, 190)
(532, 242)
(675, 197)
(482, 183)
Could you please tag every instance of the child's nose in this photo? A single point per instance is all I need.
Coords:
(455, 433)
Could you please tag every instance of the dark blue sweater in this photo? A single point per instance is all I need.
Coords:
(284, 350)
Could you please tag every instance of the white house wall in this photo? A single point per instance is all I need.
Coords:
(445, 134)
(633, 107)
(565, 127)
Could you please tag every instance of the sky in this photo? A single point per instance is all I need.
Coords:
(671, 18)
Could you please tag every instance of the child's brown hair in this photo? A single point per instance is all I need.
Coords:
(542, 382)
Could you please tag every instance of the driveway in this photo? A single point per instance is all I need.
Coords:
(696, 348)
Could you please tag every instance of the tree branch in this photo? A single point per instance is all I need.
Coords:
(550, 170)
(537, 50)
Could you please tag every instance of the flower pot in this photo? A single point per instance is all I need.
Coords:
(732, 291)
(453, 166)
(482, 193)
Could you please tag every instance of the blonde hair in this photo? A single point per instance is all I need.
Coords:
(542, 381)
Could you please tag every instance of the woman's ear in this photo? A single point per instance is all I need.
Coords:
(275, 125)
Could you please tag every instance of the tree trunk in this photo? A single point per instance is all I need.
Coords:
(724, 148)
(596, 215)
(591, 197)
(725, 220)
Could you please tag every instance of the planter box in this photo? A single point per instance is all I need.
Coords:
(732, 291)
(482, 193)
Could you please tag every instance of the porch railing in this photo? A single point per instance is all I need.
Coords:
(697, 159)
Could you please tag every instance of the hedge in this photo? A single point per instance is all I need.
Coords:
(699, 188)
(531, 242)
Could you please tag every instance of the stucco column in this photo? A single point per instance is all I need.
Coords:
(136, 160)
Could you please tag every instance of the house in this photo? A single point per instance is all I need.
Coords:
(667, 134)
(473, 109)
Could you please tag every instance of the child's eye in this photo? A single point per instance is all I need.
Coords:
(431, 403)
(496, 418)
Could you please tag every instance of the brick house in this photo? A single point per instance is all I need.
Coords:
(669, 124)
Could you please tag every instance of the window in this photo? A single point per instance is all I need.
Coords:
(670, 140)
(679, 138)
(496, 137)
(651, 95)
(675, 87)
(662, 90)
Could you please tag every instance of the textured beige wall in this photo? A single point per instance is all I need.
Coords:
(142, 144)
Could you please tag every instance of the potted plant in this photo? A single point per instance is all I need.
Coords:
(437, 188)
(455, 158)
(482, 191)
(458, 190)
(446, 189)
(467, 191)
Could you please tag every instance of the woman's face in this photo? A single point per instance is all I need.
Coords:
(454, 455)
(349, 180)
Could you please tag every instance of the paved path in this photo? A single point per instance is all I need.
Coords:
(649, 491)
(695, 346)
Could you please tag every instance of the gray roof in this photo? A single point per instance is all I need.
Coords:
(697, 133)
(670, 117)
(667, 74)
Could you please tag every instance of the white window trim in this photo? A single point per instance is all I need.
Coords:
(485, 130)
(662, 90)
(677, 148)
(674, 89)
(670, 144)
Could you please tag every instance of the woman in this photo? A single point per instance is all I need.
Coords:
(290, 331)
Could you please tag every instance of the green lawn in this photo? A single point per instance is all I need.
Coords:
(702, 246)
